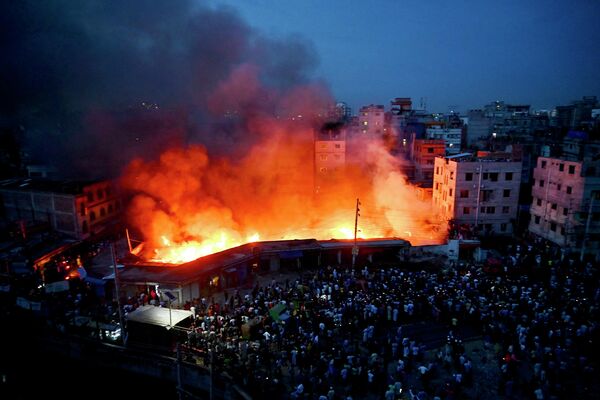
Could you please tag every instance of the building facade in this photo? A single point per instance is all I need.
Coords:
(477, 193)
(451, 137)
(566, 204)
(76, 209)
(371, 120)
(330, 155)
(424, 155)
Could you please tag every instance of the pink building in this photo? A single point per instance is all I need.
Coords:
(566, 203)
(477, 192)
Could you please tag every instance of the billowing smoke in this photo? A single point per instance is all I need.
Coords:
(210, 123)
(96, 83)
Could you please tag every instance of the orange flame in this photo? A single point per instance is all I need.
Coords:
(188, 204)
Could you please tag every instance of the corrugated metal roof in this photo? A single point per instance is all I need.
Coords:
(159, 316)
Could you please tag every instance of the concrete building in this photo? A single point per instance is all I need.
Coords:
(477, 192)
(566, 203)
(76, 209)
(450, 136)
(478, 129)
(371, 120)
(423, 156)
(576, 115)
(330, 154)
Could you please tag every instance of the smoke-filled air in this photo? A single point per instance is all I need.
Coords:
(189, 203)
(209, 123)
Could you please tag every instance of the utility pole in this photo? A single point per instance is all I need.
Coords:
(587, 225)
(355, 247)
(478, 194)
(118, 293)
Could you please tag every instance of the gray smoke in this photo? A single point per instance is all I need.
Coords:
(96, 83)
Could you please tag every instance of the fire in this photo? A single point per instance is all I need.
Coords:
(191, 202)
(188, 205)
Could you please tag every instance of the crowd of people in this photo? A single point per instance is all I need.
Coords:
(343, 332)
(347, 333)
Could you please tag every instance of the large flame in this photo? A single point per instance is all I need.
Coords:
(188, 204)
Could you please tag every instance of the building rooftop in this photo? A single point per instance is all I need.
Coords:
(143, 272)
(159, 316)
(46, 185)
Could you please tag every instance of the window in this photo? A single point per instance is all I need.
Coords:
(554, 206)
(110, 208)
(466, 210)
(482, 210)
(469, 176)
(100, 194)
(84, 227)
(537, 219)
(430, 149)
(508, 176)
(437, 185)
(451, 174)
(491, 210)
(82, 209)
(437, 170)
(102, 212)
(558, 186)
(539, 202)
(90, 196)
(565, 211)
(553, 227)
(571, 169)
(338, 146)
(569, 190)
(561, 167)
(485, 175)
(503, 227)
(92, 216)
(562, 230)
(494, 176)
(323, 157)
(365, 123)
(505, 209)
(323, 145)
(506, 193)
(450, 192)
(541, 183)
(464, 194)
(486, 195)
(543, 163)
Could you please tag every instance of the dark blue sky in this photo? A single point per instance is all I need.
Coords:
(459, 53)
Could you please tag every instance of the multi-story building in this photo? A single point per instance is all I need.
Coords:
(450, 136)
(371, 120)
(566, 203)
(423, 156)
(477, 192)
(76, 209)
(330, 154)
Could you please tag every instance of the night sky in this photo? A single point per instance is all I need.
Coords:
(78, 77)
(453, 53)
